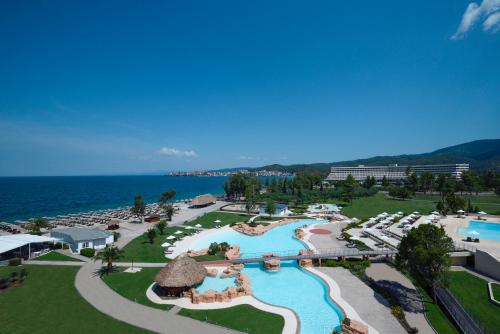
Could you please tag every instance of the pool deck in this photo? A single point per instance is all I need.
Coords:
(371, 307)
(452, 224)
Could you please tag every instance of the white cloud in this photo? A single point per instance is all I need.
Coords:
(169, 151)
(488, 10)
(492, 23)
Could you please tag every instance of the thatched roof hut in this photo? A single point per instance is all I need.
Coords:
(178, 276)
(203, 200)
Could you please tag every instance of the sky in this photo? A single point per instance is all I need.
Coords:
(118, 87)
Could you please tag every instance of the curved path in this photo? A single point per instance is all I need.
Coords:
(97, 293)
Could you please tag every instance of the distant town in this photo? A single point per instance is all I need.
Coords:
(232, 172)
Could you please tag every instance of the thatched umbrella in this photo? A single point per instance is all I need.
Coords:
(178, 276)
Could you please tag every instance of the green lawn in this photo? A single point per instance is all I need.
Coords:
(496, 291)
(226, 218)
(472, 293)
(55, 256)
(140, 250)
(489, 204)
(437, 318)
(134, 286)
(208, 257)
(243, 318)
(48, 302)
(366, 207)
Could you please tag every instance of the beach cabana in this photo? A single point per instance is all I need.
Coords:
(178, 276)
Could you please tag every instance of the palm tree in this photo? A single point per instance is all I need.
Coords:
(37, 224)
(108, 255)
(151, 234)
(161, 226)
(169, 211)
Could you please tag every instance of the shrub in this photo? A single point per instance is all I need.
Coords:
(88, 252)
(223, 246)
(346, 321)
(213, 248)
(65, 246)
(116, 236)
(15, 261)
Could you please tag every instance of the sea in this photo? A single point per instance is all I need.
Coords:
(22, 198)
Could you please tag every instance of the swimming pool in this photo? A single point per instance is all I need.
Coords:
(216, 283)
(291, 287)
(481, 230)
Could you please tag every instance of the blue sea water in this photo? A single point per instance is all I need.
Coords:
(26, 197)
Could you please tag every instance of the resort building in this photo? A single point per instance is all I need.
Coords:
(281, 210)
(23, 245)
(202, 201)
(393, 173)
(78, 238)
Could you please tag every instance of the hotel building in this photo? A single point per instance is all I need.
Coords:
(393, 172)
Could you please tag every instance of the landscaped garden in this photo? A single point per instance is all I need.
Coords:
(472, 293)
(134, 286)
(226, 218)
(245, 318)
(55, 256)
(48, 299)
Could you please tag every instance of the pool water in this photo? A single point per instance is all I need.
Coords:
(484, 230)
(216, 283)
(290, 287)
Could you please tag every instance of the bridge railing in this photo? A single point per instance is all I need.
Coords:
(464, 246)
(338, 251)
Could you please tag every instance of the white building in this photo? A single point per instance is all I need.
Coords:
(281, 210)
(78, 238)
(394, 172)
(23, 245)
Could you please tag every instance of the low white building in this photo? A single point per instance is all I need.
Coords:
(281, 210)
(78, 238)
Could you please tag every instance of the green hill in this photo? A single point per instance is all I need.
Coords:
(480, 154)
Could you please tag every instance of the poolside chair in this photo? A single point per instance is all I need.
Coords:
(476, 240)
(469, 239)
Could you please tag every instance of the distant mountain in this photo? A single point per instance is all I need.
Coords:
(480, 154)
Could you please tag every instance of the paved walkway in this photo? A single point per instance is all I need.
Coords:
(54, 263)
(406, 293)
(99, 295)
(371, 307)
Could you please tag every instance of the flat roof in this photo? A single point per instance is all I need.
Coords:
(79, 233)
(10, 242)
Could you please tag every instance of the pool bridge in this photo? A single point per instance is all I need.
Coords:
(329, 253)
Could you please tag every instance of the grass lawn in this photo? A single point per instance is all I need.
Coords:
(472, 293)
(48, 302)
(208, 257)
(55, 256)
(134, 286)
(140, 250)
(489, 204)
(367, 207)
(243, 318)
(496, 291)
(226, 218)
(438, 319)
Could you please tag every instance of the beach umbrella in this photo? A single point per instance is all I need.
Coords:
(384, 237)
(198, 225)
(178, 232)
(460, 211)
(354, 219)
(170, 237)
(416, 213)
(189, 227)
(165, 244)
(427, 221)
(217, 221)
(473, 232)
(481, 213)
(354, 238)
(434, 213)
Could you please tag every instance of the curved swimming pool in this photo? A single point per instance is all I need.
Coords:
(292, 287)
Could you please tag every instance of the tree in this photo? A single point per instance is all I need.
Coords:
(267, 185)
(454, 202)
(424, 251)
(250, 199)
(349, 186)
(274, 185)
(214, 248)
(399, 192)
(151, 235)
(36, 225)
(108, 255)
(161, 226)
(412, 183)
(139, 207)
(169, 211)
(369, 182)
(385, 182)
(167, 196)
(408, 171)
(426, 181)
(270, 207)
